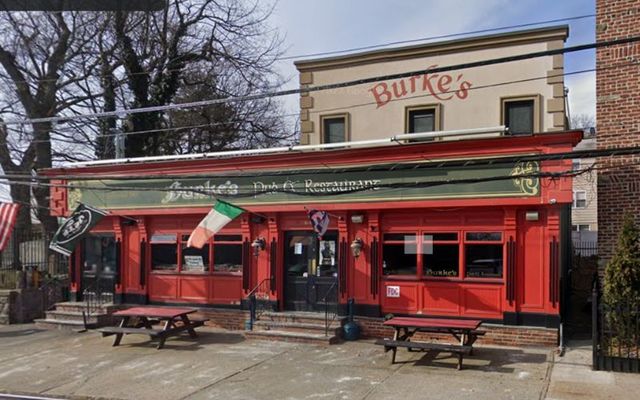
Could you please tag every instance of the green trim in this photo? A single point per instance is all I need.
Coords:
(320, 186)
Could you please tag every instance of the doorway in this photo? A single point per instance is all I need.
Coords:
(99, 266)
(311, 270)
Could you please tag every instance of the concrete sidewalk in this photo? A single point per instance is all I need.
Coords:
(572, 378)
(223, 365)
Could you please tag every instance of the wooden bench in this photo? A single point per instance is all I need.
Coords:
(459, 350)
(140, 320)
(465, 332)
(112, 330)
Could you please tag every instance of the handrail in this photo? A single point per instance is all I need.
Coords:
(326, 307)
(45, 287)
(258, 286)
(253, 302)
(93, 301)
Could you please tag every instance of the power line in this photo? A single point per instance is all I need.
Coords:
(397, 185)
(424, 39)
(373, 46)
(412, 165)
(339, 85)
(355, 105)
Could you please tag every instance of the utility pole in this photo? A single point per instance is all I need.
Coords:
(118, 141)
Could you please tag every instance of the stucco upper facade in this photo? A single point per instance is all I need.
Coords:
(462, 98)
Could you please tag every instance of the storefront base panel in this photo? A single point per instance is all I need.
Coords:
(130, 298)
(365, 310)
(531, 319)
(502, 335)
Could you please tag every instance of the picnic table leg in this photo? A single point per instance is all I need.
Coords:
(186, 322)
(146, 323)
(394, 349)
(459, 361)
(161, 342)
(123, 323)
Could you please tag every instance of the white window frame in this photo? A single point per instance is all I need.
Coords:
(575, 199)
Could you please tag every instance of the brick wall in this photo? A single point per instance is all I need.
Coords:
(518, 336)
(618, 117)
(225, 318)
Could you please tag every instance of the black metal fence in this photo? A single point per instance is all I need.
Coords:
(585, 249)
(616, 335)
(577, 289)
(27, 261)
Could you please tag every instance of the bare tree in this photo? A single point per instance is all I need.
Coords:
(582, 121)
(72, 63)
(43, 59)
(199, 49)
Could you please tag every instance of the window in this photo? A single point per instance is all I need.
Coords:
(164, 252)
(334, 129)
(575, 165)
(580, 228)
(483, 254)
(227, 253)
(579, 199)
(100, 254)
(422, 119)
(457, 255)
(520, 115)
(441, 254)
(194, 260)
(399, 254)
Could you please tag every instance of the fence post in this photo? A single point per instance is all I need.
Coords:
(594, 325)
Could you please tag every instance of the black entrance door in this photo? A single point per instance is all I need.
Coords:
(99, 267)
(311, 270)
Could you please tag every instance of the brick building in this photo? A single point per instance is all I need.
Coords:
(618, 116)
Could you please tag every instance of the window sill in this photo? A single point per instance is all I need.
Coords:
(194, 273)
(221, 273)
(197, 273)
(464, 280)
(400, 278)
(484, 280)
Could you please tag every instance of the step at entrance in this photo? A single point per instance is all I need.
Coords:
(69, 316)
(301, 327)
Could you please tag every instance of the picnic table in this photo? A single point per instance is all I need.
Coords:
(464, 332)
(140, 320)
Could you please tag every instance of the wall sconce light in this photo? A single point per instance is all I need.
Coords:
(356, 247)
(258, 245)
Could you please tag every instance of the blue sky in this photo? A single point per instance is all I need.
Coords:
(327, 25)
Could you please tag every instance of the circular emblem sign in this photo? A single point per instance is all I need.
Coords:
(75, 226)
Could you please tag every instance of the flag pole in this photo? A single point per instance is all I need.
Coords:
(328, 213)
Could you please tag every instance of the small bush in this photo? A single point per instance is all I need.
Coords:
(622, 283)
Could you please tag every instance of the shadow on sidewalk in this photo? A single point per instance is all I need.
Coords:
(485, 359)
(185, 343)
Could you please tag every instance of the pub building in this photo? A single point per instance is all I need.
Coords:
(455, 221)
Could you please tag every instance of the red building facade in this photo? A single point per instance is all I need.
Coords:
(447, 228)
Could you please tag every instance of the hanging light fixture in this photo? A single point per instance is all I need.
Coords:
(356, 247)
(258, 245)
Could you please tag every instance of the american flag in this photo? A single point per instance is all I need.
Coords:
(8, 215)
(319, 221)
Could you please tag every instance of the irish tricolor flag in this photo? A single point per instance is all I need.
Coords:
(221, 214)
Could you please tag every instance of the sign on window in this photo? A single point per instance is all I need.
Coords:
(393, 291)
